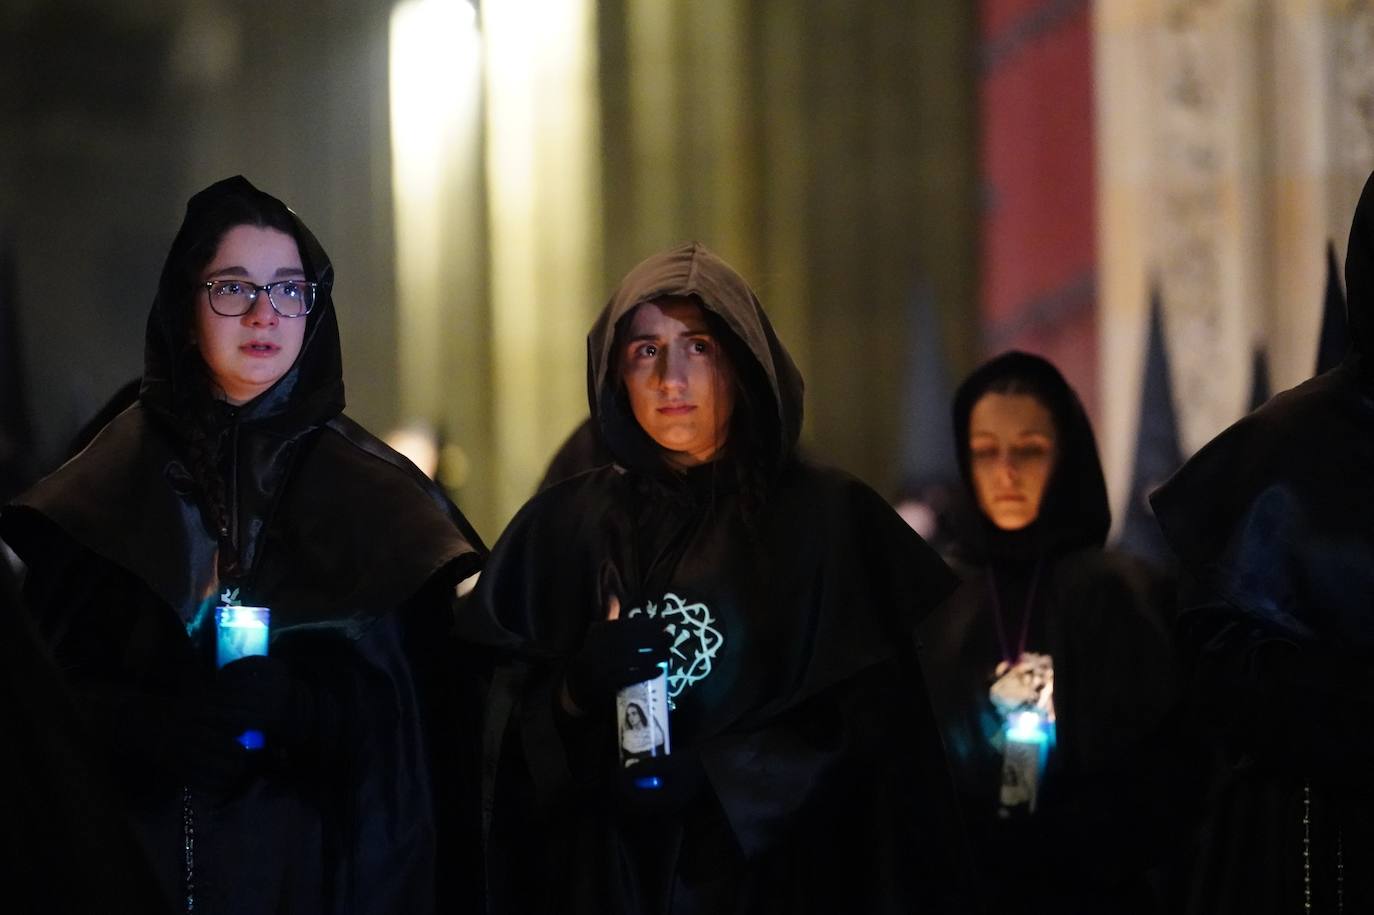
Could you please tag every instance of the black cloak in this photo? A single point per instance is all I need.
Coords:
(825, 787)
(64, 845)
(1271, 521)
(1051, 588)
(351, 547)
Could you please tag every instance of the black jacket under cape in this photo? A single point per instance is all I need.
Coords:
(351, 547)
(1271, 521)
(795, 683)
(1108, 802)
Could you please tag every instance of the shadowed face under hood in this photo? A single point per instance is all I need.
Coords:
(1074, 511)
(311, 391)
(769, 379)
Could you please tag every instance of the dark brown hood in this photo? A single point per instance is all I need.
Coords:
(764, 366)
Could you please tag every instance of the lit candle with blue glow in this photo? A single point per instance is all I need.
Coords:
(242, 632)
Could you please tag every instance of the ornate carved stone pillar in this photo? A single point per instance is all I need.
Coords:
(1234, 137)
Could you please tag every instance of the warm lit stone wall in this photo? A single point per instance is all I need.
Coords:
(1233, 139)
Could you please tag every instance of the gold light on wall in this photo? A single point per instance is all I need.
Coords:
(542, 149)
(1223, 166)
(436, 68)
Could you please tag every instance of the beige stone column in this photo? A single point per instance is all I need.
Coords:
(1233, 140)
(715, 87)
(1181, 204)
(1330, 91)
(1122, 69)
(1322, 88)
(543, 180)
(655, 184)
(786, 134)
(437, 182)
(1348, 60)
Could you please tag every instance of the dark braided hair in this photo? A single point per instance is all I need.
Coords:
(196, 407)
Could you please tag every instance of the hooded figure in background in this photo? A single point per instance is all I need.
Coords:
(1050, 669)
(805, 772)
(236, 479)
(581, 451)
(1271, 521)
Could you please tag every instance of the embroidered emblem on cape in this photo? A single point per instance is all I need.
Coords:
(695, 640)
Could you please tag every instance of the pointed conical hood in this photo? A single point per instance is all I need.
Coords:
(1335, 337)
(1157, 451)
(1260, 387)
(928, 452)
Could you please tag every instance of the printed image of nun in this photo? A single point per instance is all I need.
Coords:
(640, 737)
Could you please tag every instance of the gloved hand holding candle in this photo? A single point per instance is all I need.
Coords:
(625, 661)
(242, 632)
(615, 653)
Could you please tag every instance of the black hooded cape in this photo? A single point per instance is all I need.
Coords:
(1098, 828)
(351, 547)
(825, 788)
(1271, 521)
(65, 846)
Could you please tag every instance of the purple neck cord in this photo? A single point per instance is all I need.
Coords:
(1025, 617)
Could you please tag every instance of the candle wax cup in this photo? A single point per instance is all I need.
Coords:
(241, 632)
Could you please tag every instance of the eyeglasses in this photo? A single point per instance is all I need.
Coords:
(288, 298)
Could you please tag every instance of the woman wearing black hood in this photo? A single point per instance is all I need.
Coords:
(1271, 522)
(805, 772)
(236, 479)
(1049, 668)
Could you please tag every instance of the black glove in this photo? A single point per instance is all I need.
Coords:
(262, 693)
(662, 786)
(188, 740)
(614, 654)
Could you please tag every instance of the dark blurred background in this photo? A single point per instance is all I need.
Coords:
(910, 186)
